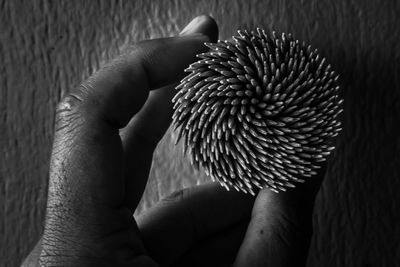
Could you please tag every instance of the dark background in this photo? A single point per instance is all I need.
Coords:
(47, 47)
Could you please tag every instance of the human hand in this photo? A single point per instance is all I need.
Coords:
(106, 132)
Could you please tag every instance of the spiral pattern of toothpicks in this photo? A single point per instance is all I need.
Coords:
(258, 111)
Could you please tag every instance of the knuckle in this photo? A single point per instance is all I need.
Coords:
(68, 125)
(68, 105)
(78, 98)
(67, 112)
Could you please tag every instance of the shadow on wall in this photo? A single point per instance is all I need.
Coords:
(355, 215)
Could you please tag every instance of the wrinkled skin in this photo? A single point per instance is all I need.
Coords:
(105, 135)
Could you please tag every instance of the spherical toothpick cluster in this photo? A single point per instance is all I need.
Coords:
(258, 111)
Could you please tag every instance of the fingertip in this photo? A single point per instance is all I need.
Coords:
(203, 24)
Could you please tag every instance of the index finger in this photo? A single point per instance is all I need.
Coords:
(117, 91)
(86, 179)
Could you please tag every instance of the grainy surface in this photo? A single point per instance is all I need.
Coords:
(47, 47)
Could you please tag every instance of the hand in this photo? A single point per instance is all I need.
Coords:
(106, 132)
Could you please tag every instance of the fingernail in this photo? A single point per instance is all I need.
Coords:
(194, 25)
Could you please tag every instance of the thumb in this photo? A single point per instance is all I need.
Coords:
(278, 234)
(280, 229)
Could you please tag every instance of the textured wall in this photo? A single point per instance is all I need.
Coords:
(47, 47)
